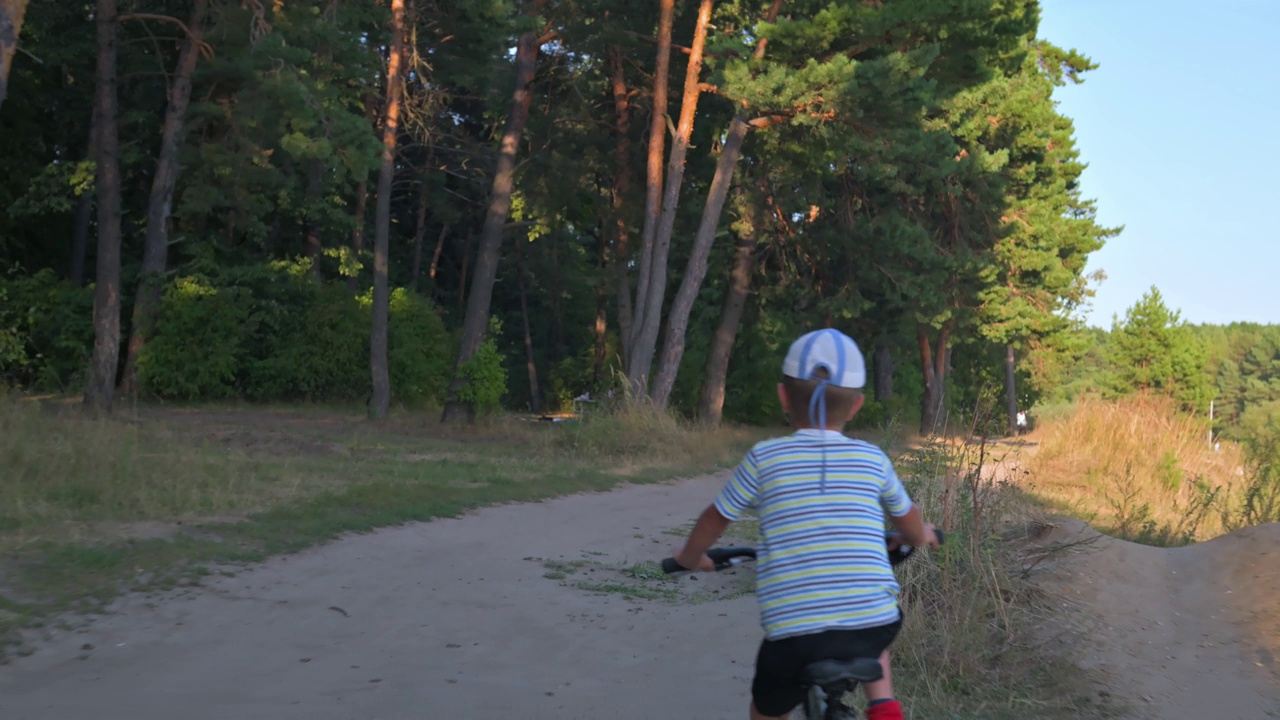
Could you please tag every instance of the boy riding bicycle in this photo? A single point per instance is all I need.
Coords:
(824, 583)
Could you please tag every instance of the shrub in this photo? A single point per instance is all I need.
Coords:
(199, 345)
(320, 350)
(484, 377)
(419, 353)
(46, 331)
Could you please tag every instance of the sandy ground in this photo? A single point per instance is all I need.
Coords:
(1179, 633)
(455, 619)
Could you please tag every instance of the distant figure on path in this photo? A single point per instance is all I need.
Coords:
(1022, 422)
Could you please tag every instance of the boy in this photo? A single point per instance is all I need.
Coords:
(824, 583)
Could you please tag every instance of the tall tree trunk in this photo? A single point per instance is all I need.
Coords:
(380, 398)
(155, 252)
(673, 340)
(84, 217)
(313, 245)
(464, 273)
(476, 320)
(601, 326)
(711, 402)
(435, 257)
(362, 197)
(653, 170)
(646, 339)
(621, 184)
(106, 298)
(696, 271)
(11, 14)
(934, 365)
(419, 232)
(535, 393)
(357, 232)
(883, 363)
(1011, 388)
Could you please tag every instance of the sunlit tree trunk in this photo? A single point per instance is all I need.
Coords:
(646, 338)
(476, 320)
(106, 299)
(155, 252)
(653, 169)
(711, 402)
(380, 398)
(11, 14)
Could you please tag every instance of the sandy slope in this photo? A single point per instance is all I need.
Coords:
(451, 620)
(1179, 633)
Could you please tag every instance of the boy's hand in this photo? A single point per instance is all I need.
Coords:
(931, 535)
(705, 563)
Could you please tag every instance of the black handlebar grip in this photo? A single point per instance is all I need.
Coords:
(671, 566)
(942, 537)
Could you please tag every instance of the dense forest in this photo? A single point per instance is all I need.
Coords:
(487, 203)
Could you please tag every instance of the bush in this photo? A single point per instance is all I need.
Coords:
(484, 377)
(46, 331)
(199, 345)
(419, 354)
(320, 350)
(271, 333)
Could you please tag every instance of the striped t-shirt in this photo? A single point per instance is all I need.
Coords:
(822, 562)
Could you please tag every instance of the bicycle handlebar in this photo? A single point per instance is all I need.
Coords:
(724, 557)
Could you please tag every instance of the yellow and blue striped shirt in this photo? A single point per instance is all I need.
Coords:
(821, 499)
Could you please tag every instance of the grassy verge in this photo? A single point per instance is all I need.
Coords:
(160, 497)
(1141, 470)
(972, 644)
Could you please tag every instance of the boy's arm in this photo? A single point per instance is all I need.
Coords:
(710, 526)
(904, 515)
(915, 531)
(738, 496)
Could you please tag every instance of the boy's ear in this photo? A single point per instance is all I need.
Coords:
(857, 405)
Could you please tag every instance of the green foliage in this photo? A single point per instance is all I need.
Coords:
(1153, 350)
(1261, 501)
(270, 333)
(46, 331)
(484, 376)
(199, 344)
(319, 351)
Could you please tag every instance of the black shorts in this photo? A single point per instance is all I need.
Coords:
(778, 686)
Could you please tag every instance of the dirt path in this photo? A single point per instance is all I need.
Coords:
(439, 620)
(1179, 633)
(457, 618)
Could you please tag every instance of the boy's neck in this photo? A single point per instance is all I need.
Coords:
(829, 428)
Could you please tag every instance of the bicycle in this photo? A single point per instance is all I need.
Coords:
(830, 681)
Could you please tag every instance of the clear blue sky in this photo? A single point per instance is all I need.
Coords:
(1180, 127)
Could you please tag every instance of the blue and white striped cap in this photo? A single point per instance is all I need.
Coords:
(830, 349)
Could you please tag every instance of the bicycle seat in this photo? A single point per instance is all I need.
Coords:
(831, 672)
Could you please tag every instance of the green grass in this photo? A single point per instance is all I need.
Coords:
(94, 508)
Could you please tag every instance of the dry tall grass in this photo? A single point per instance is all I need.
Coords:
(640, 434)
(970, 645)
(59, 467)
(1137, 467)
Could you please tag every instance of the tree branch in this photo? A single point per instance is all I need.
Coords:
(682, 48)
(206, 49)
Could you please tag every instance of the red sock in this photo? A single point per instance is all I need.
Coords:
(886, 710)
